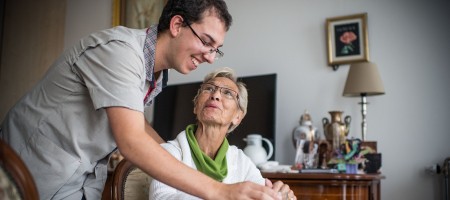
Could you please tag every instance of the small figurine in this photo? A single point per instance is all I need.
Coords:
(324, 152)
(350, 154)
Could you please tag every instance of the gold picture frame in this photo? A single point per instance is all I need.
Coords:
(137, 13)
(347, 39)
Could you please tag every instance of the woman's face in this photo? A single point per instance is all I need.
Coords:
(217, 106)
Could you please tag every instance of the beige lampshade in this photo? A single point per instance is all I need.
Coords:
(363, 78)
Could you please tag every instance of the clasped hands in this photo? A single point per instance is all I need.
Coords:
(283, 190)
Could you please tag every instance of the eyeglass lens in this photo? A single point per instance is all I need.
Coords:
(218, 54)
(226, 92)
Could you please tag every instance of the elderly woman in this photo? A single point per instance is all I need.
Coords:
(220, 105)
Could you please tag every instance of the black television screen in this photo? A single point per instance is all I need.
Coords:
(173, 110)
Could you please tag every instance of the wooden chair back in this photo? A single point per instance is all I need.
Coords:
(16, 180)
(127, 183)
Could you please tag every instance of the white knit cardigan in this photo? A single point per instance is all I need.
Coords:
(240, 168)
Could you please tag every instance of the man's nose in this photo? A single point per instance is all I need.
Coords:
(210, 57)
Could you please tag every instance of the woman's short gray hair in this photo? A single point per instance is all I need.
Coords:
(242, 90)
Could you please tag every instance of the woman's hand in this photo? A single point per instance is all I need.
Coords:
(245, 190)
(283, 190)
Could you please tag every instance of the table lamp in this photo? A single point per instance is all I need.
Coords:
(363, 80)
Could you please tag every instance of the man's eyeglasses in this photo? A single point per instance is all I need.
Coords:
(225, 92)
(219, 54)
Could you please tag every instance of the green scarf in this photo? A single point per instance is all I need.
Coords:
(217, 168)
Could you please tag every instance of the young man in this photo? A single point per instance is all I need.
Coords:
(91, 101)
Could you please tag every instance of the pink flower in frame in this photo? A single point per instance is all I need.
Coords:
(347, 38)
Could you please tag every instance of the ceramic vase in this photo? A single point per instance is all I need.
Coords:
(337, 130)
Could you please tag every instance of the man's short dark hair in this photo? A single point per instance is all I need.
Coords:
(192, 11)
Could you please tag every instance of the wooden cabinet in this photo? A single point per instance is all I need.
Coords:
(328, 186)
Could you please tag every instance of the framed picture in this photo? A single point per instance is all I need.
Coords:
(347, 39)
(137, 13)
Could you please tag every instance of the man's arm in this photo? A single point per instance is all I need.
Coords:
(137, 146)
(153, 133)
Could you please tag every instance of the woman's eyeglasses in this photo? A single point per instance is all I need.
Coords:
(225, 92)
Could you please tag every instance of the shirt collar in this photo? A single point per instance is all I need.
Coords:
(149, 52)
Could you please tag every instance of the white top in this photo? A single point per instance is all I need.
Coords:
(240, 168)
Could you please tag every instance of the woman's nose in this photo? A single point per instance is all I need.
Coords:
(216, 94)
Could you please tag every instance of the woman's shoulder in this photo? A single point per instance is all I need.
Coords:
(173, 147)
(178, 146)
(236, 152)
(234, 149)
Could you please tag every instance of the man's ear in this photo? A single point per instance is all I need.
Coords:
(176, 23)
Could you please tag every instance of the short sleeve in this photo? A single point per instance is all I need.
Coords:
(114, 74)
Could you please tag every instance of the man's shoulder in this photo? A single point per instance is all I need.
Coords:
(130, 30)
(125, 33)
(118, 33)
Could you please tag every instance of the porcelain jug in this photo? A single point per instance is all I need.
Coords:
(254, 149)
(336, 131)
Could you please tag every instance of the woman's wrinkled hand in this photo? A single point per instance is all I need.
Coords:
(283, 190)
(246, 190)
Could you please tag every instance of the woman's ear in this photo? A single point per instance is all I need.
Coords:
(176, 23)
(237, 118)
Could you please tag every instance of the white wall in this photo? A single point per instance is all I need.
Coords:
(407, 39)
(86, 16)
